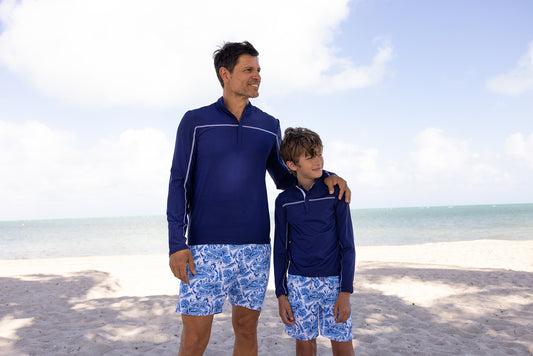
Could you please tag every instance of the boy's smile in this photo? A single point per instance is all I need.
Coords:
(308, 169)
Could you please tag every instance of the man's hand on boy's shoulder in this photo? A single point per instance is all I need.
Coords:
(285, 310)
(342, 308)
(332, 180)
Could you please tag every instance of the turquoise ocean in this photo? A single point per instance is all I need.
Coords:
(32, 239)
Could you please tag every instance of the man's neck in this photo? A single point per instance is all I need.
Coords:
(235, 104)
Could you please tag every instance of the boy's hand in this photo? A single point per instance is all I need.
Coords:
(334, 180)
(342, 309)
(285, 310)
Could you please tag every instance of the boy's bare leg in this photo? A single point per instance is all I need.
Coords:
(342, 348)
(306, 348)
(245, 322)
(195, 334)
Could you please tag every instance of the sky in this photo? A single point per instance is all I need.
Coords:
(418, 103)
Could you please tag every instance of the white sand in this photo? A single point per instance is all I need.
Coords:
(463, 298)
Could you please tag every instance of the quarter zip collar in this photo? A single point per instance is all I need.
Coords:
(306, 194)
(303, 190)
(222, 105)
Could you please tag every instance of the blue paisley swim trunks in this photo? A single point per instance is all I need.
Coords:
(237, 272)
(312, 301)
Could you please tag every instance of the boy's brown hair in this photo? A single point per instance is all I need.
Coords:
(298, 141)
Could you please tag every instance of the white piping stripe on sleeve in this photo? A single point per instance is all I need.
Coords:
(260, 129)
(193, 142)
(278, 139)
(302, 201)
(214, 125)
(185, 183)
(287, 262)
(296, 202)
(192, 152)
(340, 273)
(189, 168)
(325, 198)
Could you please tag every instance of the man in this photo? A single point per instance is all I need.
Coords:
(217, 197)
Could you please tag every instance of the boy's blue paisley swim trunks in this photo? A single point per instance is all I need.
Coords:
(312, 301)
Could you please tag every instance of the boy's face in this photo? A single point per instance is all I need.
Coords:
(308, 168)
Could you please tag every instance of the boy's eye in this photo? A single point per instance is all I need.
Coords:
(316, 155)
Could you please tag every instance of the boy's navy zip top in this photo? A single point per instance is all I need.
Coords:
(217, 191)
(314, 236)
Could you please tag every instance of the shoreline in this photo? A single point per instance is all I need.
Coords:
(470, 297)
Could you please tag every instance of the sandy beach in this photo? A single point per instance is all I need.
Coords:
(457, 298)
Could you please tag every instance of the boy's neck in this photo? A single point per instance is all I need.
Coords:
(306, 183)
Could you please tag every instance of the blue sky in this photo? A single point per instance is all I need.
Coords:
(419, 103)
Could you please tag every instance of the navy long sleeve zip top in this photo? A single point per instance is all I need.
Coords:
(313, 236)
(217, 191)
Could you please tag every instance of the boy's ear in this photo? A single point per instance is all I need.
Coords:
(291, 165)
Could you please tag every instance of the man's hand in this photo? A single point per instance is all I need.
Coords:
(342, 309)
(285, 310)
(334, 180)
(178, 262)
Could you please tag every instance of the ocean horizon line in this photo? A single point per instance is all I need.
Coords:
(372, 227)
(449, 206)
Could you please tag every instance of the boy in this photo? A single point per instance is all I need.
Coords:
(314, 253)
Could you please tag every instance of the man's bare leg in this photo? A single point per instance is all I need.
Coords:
(195, 334)
(245, 327)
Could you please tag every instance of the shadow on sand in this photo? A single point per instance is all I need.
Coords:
(53, 315)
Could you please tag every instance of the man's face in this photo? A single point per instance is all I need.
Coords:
(245, 79)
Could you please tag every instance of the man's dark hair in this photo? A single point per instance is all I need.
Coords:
(228, 55)
(297, 142)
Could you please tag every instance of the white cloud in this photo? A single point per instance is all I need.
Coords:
(439, 161)
(32, 160)
(442, 160)
(45, 175)
(438, 155)
(518, 80)
(441, 170)
(158, 53)
(518, 147)
(364, 166)
(351, 76)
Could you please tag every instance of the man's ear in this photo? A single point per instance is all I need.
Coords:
(224, 74)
